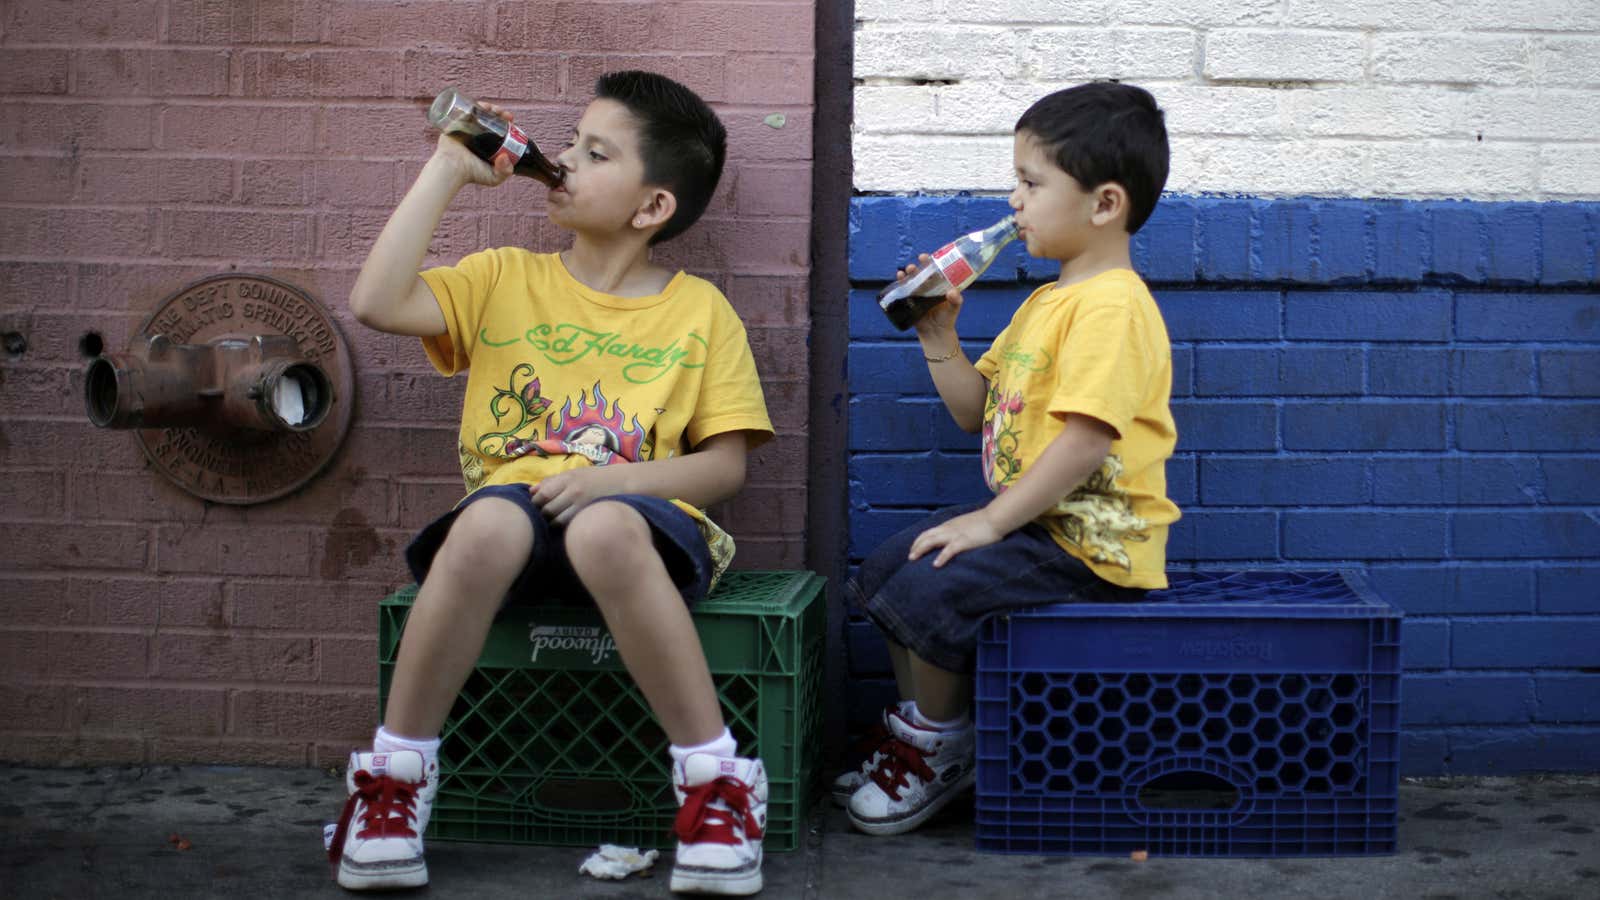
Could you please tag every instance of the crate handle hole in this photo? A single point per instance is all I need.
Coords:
(1189, 792)
(584, 795)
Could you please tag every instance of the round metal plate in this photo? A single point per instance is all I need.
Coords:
(240, 466)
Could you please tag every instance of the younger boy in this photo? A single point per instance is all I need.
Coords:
(608, 400)
(1071, 400)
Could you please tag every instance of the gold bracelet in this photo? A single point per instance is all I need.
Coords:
(940, 359)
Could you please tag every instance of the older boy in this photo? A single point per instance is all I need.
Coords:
(608, 400)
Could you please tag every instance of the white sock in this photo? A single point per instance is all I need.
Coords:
(722, 745)
(922, 721)
(386, 741)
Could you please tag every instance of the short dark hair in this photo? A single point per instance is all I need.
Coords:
(1105, 131)
(682, 140)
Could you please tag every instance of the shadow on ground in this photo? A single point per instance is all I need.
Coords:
(163, 833)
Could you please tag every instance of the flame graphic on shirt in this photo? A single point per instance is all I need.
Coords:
(591, 431)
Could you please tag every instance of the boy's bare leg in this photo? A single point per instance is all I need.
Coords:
(900, 658)
(613, 554)
(488, 545)
(941, 696)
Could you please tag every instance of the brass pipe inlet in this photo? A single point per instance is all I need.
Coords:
(260, 383)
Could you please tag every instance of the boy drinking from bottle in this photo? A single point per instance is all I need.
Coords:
(608, 401)
(1072, 403)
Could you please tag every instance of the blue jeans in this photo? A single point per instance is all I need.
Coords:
(548, 576)
(936, 613)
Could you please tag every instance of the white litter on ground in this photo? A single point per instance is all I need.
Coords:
(617, 862)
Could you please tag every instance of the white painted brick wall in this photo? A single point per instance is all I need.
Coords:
(1462, 59)
(1574, 61)
(1487, 99)
(1569, 171)
(916, 51)
(1395, 15)
(1075, 54)
(1281, 55)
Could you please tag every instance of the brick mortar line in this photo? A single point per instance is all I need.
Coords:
(1049, 26)
(96, 734)
(1274, 137)
(223, 687)
(390, 102)
(301, 209)
(256, 633)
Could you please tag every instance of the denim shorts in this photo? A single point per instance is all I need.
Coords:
(548, 577)
(936, 613)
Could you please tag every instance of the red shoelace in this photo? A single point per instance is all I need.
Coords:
(699, 822)
(872, 740)
(391, 807)
(899, 758)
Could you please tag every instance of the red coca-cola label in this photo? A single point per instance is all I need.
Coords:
(949, 260)
(516, 144)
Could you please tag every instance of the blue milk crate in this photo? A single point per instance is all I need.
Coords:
(1233, 714)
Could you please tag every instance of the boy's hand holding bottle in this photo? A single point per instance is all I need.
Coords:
(939, 319)
(479, 146)
(486, 134)
(953, 267)
(465, 167)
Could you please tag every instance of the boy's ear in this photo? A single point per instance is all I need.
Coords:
(1110, 204)
(656, 209)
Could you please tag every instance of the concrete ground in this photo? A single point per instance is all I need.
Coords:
(166, 832)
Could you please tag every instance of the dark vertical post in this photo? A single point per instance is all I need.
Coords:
(826, 500)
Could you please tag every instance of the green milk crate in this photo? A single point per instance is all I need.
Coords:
(550, 742)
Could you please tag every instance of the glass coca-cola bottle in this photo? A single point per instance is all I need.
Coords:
(956, 264)
(489, 136)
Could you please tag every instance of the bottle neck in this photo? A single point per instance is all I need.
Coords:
(1003, 231)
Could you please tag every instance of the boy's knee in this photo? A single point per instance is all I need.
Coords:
(607, 535)
(489, 540)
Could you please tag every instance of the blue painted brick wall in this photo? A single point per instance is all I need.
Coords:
(1409, 388)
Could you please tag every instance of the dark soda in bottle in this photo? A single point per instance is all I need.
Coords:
(956, 264)
(489, 136)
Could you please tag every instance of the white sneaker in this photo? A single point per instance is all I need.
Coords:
(919, 771)
(722, 815)
(378, 841)
(871, 743)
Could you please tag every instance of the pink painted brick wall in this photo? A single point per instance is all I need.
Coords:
(148, 143)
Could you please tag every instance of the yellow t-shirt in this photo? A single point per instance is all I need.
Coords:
(1096, 348)
(561, 376)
